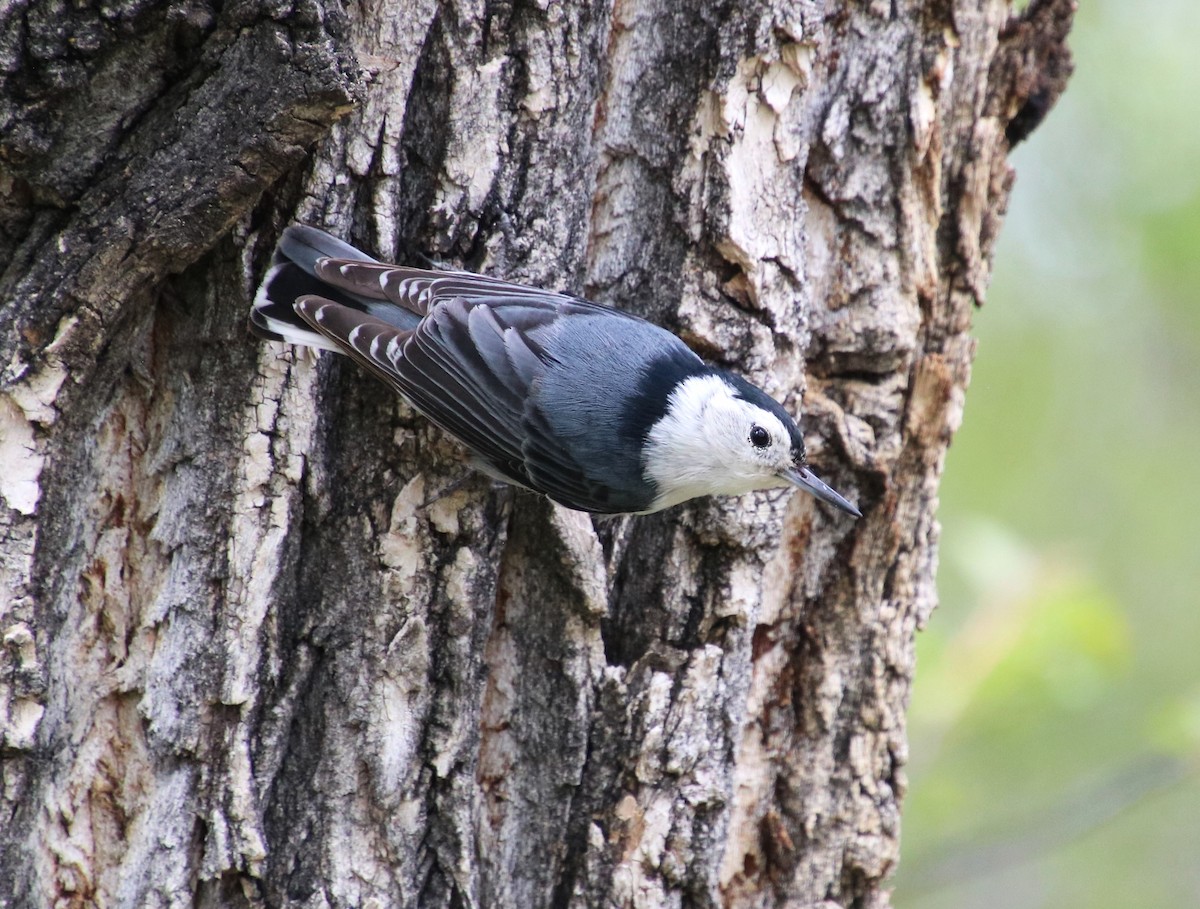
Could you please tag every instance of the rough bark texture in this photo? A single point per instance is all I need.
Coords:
(266, 643)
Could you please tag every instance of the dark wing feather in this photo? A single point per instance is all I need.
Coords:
(357, 334)
(416, 289)
(471, 365)
(468, 373)
(419, 290)
(475, 365)
(430, 379)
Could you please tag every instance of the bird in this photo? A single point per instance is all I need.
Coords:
(593, 407)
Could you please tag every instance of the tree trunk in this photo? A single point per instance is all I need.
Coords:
(267, 642)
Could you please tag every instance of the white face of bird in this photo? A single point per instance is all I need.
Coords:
(712, 442)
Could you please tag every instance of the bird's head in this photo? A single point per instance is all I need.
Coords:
(722, 436)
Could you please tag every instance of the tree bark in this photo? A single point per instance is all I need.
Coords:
(268, 643)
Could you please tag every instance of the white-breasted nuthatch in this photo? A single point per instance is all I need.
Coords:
(596, 408)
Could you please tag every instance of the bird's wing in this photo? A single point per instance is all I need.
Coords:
(471, 366)
(419, 290)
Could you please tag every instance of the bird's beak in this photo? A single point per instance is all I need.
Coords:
(808, 481)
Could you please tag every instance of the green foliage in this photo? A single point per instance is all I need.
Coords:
(1056, 715)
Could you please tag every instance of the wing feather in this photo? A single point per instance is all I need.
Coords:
(339, 323)
(472, 364)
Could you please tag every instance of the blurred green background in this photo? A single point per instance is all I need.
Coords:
(1055, 721)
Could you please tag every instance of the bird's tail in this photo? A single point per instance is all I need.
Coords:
(293, 274)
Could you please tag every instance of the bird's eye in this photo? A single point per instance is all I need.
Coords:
(759, 437)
